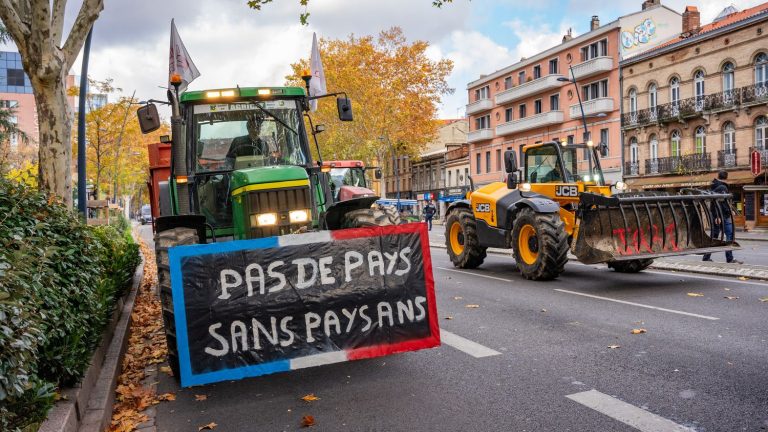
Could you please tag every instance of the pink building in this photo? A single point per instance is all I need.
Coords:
(532, 101)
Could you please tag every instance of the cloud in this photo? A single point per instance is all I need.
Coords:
(535, 37)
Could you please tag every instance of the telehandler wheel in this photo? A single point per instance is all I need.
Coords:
(632, 266)
(371, 217)
(461, 239)
(540, 244)
(163, 241)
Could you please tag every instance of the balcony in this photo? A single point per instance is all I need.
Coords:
(726, 158)
(631, 168)
(687, 164)
(593, 67)
(479, 106)
(530, 88)
(479, 135)
(592, 107)
(532, 122)
(651, 166)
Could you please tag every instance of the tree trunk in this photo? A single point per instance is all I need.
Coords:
(55, 122)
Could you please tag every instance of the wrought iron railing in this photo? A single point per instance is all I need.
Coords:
(632, 168)
(651, 166)
(726, 158)
(685, 164)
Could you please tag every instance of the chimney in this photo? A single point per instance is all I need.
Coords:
(650, 3)
(568, 36)
(595, 23)
(691, 19)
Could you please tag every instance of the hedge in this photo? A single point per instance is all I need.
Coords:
(59, 282)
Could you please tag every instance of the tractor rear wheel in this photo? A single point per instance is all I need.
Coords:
(631, 266)
(540, 244)
(163, 241)
(369, 217)
(461, 239)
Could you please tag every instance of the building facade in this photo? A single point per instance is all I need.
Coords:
(16, 94)
(390, 181)
(699, 104)
(533, 101)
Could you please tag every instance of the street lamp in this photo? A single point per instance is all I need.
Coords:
(394, 167)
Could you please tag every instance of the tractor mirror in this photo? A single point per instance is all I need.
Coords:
(149, 120)
(512, 180)
(165, 139)
(377, 174)
(344, 106)
(510, 161)
(319, 128)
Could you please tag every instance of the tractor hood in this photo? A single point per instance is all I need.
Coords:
(347, 192)
(270, 174)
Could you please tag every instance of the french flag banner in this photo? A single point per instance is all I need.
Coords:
(255, 307)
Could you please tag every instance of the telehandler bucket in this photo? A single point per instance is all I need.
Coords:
(648, 225)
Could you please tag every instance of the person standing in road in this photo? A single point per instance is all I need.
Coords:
(429, 213)
(719, 186)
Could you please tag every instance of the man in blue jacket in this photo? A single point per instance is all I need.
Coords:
(719, 186)
(429, 213)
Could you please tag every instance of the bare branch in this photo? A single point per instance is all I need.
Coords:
(57, 21)
(10, 16)
(89, 11)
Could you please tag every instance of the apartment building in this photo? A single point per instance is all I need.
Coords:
(534, 101)
(431, 174)
(698, 104)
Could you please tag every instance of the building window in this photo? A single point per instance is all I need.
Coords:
(595, 90)
(674, 144)
(522, 111)
(653, 97)
(482, 93)
(761, 69)
(701, 140)
(570, 140)
(466, 175)
(604, 47)
(761, 133)
(537, 106)
(728, 78)
(483, 122)
(508, 114)
(537, 72)
(507, 83)
(553, 66)
(604, 141)
(634, 153)
(477, 163)
(729, 137)
(521, 77)
(654, 147)
(674, 90)
(633, 101)
(498, 159)
(16, 77)
(488, 161)
(698, 80)
(554, 102)
(449, 179)
(594, 50)
(8, 104)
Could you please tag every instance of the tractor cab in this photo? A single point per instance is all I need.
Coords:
(348, 179)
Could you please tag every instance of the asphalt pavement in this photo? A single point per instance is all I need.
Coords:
(533, 356)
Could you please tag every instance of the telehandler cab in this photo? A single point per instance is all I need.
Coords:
(545, 208)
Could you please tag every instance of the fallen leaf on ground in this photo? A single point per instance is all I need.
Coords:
(458, 298)
(166, 369)
(472, 306)
(639, 331)
(201, 397)
(731, 297)
(695, 295)
(307, 421)
(543, 310)
(614, 346)
(743, 278)
(764, 299)
(167, 397)
(209, 426)
(449, 317)
(727, 289)
(310, 398)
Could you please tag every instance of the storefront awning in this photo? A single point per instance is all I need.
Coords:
(684, 181)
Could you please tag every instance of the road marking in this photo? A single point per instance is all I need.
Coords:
(472, 348)
(682, 273)
(631, 415)
(475, 274)
(637, 304)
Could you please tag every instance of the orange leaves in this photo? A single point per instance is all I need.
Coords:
(307, 421)
(167, 397)
(209, 426)
(200, 398)
(639, 331)
(310, 398)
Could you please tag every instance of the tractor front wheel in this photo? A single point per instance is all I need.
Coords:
(370, 217)
(540, 244)
(461, 239)
(163, 241)
(631, 266)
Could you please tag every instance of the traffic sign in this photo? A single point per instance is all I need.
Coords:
(756, 162)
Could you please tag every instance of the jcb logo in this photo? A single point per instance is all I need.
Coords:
(566, 191)
(483, 208)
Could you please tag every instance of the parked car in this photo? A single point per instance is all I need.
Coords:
(145, 216)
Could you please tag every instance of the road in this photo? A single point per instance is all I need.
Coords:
(532, 357)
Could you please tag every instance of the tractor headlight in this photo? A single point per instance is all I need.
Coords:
(525, 187)
(620, 185)
(298, 216)
(264, 219)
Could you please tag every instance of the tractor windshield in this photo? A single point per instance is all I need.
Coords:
(348, 177)
(247, 134)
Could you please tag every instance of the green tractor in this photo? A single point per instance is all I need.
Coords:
(241, 168)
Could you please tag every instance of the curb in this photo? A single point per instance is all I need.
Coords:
(88, 406)
(748, 271)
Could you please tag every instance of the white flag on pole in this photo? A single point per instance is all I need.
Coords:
(317, 84)
(179, 61)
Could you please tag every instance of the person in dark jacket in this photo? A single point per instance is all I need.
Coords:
(725, 223)
(429, 213)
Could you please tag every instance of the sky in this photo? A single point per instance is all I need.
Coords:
(234, 45)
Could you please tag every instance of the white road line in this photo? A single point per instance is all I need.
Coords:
(681, 273)
(472, 348)
(631, 415)
(474, 274)
(637, 304)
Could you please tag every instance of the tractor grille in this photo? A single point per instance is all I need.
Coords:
(281, 202)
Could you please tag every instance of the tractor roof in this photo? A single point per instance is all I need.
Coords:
(345, 163)
(215, 95)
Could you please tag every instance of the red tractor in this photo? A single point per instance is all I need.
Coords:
(348, 179)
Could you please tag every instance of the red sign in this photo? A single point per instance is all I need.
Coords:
(756, 160)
